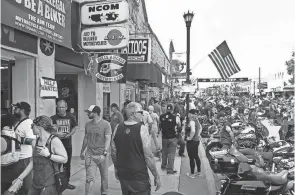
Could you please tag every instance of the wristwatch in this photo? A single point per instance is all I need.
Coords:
(49, 157)
(105, 153)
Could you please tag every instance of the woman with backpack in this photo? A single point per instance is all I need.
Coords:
(48, 150)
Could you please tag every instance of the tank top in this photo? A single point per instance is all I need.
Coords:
(131, 163)
(43, 171)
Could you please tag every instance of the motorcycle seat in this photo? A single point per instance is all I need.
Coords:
(279, 178)
(236, 153)
(265, 155)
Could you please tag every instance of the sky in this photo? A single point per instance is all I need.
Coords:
(259, 33)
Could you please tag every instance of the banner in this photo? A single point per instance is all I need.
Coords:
(223, 80)
(111, 68)
(50, 20)
(48, 88)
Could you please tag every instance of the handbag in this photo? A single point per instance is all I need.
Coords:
(61, 179)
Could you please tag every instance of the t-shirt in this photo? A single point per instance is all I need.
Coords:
(65, 124)
(95, 134)
(24, 130)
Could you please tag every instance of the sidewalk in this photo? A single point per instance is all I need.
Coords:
(169, 182)
(178, 182)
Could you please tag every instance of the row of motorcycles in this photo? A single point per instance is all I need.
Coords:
(255, 164)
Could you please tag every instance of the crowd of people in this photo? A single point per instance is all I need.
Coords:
(32, 151)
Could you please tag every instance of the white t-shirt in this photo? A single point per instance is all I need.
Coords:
(24, 130)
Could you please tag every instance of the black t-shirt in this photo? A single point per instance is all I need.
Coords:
(65, 124)
(168, 124)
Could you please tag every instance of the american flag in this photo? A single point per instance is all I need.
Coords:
(224, 61)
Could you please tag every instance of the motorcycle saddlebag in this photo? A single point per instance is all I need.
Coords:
(224, 164)
(250, 188)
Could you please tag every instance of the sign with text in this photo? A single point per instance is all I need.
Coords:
(48, 19)
(48, 88)
(98, 13)
(111, 68)
(139, 50)
(102, 38)
(179, 75)
(223, 80)
(106, 87)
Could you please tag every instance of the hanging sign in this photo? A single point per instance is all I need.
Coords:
(223, 80)
(106, 87)
(111, 68)
(139, 50)
(48, 88)
(98, 13)
(103, 38)
(48, 19)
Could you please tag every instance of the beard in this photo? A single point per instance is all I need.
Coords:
(17, 115)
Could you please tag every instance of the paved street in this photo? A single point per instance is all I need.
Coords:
(179, 182)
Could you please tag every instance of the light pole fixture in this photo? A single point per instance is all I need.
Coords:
(188, 18)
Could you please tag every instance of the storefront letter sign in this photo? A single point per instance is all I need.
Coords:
(48, 88)
(102, 38)
(111, 68)
(49, 19)
(99, 13)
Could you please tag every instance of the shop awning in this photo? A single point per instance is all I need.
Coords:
(149, 73)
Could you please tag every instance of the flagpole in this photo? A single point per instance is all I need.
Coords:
(259, 83)
(199, 62)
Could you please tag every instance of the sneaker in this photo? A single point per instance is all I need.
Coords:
(171, 172)
(191, 175)
(198, 174)
(71, 187)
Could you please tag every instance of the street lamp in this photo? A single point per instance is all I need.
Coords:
(188, 18)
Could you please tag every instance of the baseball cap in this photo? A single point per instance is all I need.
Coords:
(93, 108)
(169, 107)
(114, 105)
(22, 105)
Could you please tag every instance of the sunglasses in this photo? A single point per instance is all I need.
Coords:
(140, 112)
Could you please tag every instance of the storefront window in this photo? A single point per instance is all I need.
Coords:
(6, 86)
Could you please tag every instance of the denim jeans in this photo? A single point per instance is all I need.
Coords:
(181, 143)
(169, 150)
(91, 163)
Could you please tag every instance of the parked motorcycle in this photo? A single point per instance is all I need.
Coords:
(230, 163)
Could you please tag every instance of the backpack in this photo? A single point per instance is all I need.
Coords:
(12, 153)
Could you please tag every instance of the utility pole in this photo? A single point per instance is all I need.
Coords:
(259, 84)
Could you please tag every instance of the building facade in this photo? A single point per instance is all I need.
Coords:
(35, 47)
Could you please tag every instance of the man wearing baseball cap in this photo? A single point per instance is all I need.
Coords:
(97, 140)
(168, 123)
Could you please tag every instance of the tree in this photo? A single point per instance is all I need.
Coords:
(290, 67)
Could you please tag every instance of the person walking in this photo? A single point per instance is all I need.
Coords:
(157, 107)
(132, 155)
(169, 140)
(97, 141)
(155, 128)
(66, 127)
(22, 130)
(116, 117)
(193, 130)
(47, 149)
